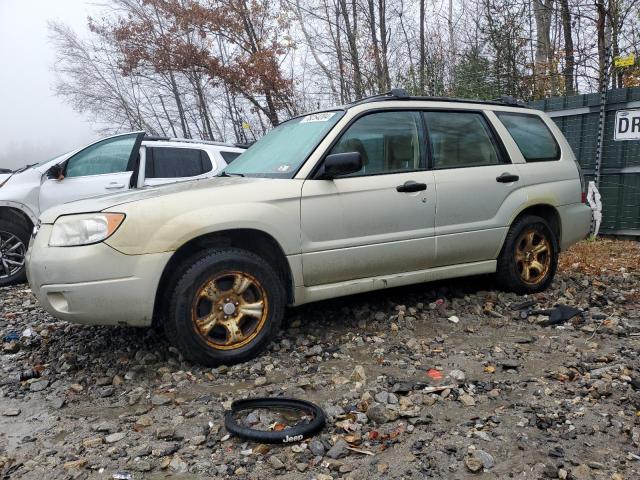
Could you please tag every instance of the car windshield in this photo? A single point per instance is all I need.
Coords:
(281, 152)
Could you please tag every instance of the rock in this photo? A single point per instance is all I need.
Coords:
(339, 450)
(473, 464)
(92, 442)
(358, 374)
(38, 385)
(316, 447)
(275, 463)
(260, 381)
(508, 364)
(177, 465)
(381, 397)
(107, 392)
(159, 400)
(75, 464)
(141, 466)
(487, 460)
(12, 412)
(379, 413)
(457, 375)
(115, 437)
(453, 319)
(581, 472)
(467, 400)
(11, 347)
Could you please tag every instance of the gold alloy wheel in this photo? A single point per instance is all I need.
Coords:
(533, 256)
(229, 310)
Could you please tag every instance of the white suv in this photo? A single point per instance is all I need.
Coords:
(388, 191)
(114, 164)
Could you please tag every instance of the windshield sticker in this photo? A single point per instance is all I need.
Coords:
(284, 168)
(318, 117)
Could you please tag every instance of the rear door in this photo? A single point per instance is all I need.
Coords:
(473, 176)
(173, 164)
(104, 167)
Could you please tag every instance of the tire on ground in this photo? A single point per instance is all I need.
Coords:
(196, 272)
(509, 271)
(23, 234)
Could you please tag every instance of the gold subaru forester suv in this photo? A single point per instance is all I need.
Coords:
(388, 191)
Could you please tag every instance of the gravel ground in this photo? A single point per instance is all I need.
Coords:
(441, 380)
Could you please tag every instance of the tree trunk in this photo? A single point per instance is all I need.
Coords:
(382, 23)
(542, 10)
(353, 47)
(569, 59)
(376, 48)
(422, 56)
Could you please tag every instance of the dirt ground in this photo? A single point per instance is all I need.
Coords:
(440, 380)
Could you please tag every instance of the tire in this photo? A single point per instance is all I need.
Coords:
(225, 307)
(14, 241)
(529, 256)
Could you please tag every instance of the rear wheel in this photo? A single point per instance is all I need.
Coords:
(529, 257)
(225, 307)
(14, 240)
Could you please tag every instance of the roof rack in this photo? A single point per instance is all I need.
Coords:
(154, 138)
(401, 94)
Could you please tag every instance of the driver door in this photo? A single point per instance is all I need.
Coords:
(101, 168)
(380, 220)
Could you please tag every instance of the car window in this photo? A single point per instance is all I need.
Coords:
(276, 156)
(108, 156)
(229, 156)
(460, 139)
(167, 162)
(387, 142)
(531, 134)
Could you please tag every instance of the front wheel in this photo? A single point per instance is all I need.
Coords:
(225, 307)
(529, 256)
(14, 240)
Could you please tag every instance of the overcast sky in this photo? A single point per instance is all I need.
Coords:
(34, 123)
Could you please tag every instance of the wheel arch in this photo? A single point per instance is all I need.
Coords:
(543, 210)
(15, 214)
(252, 240)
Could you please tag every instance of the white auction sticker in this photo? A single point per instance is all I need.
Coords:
(627, 125)
(318, 117)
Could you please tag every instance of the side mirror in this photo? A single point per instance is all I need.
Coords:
(56, 172)
(339, 164)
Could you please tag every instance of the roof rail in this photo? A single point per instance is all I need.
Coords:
(154, 138)
(401, 94)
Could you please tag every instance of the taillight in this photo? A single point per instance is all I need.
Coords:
(584, 197)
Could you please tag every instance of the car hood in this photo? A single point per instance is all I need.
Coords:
(98, 204)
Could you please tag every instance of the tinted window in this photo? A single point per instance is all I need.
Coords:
(387, 142)
(460, 139)
(163, 162)
(229, 156)
(108, 156)
(533, 137)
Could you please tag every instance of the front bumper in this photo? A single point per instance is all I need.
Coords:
(94, 284)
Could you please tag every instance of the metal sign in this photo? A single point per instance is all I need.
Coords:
(627, 61)
(627, 125)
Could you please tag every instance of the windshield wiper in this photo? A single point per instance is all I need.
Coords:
(226, 174)
(26, 167)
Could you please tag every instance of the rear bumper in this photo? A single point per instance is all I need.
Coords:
(94, 284)
(575, 220)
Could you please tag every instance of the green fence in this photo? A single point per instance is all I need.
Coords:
(578, 118)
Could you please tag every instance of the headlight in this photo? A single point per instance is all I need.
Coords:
(84, 229)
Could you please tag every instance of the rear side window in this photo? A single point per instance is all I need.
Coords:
(533, 137)
(165, 162)
(229, 156)
(460, 139)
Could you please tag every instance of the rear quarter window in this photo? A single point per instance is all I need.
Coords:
(229, 156)
(531, 134)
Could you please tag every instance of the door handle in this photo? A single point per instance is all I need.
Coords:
(114, 186)
(507, 178)
(411, 186)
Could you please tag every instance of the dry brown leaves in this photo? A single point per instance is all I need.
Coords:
(603, 255)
